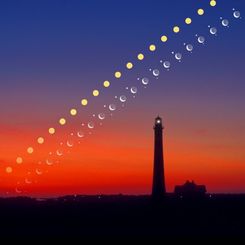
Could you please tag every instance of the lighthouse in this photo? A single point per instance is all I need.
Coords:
(158, 186)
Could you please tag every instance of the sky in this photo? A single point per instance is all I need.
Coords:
(55, 53)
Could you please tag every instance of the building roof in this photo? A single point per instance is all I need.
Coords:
(190, 187)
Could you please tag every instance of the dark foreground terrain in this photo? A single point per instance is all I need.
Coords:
(123, 216)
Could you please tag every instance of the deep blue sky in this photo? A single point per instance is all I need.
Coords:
(52, 53)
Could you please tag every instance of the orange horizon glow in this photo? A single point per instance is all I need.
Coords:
(111, 161)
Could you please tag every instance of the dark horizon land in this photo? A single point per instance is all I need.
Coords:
(98, 217)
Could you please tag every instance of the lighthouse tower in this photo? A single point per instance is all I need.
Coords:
(158, 187)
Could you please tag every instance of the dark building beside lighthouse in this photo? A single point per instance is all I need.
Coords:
(158, 186)
(190, 190)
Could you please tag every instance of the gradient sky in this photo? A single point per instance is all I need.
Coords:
(53, 53)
